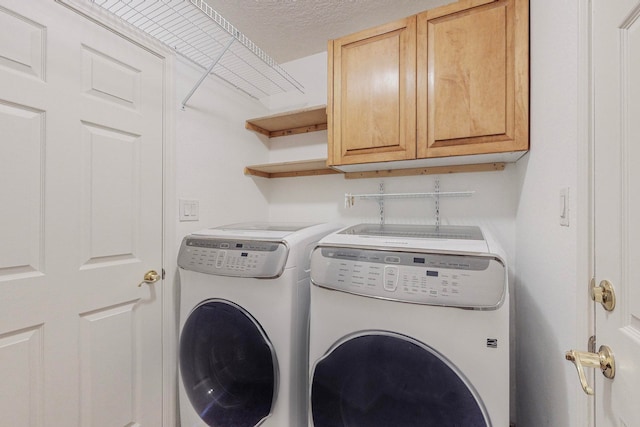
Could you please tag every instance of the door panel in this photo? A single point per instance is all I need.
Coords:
(616, 56)
(111, 160)
(81, 174)
(21, 399)
(22, 173)
(25, 53)
(108, 366)
(109, 79)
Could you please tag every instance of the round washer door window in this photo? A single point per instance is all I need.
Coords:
(385, 379)
(228, 366)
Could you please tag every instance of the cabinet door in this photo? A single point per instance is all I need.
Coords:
(371, 108)
(473, 78)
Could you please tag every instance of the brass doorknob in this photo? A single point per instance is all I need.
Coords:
(150, 276)
(603, 359)
(604, 294)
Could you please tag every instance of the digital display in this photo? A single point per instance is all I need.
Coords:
(431, 273)
(244, 254)
(238, 245)
(418, 260)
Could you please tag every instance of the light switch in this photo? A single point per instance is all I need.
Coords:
(564, 207)
(189, 210)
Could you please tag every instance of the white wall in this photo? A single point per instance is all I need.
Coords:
(212, 148)
(547, 254)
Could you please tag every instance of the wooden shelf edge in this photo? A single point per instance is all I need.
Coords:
(299, 130)
(316, 172)
(478, 167)
(305, 120)
(291, 169)
(318, 167)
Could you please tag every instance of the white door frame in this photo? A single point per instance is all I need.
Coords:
(585, 313)
(169, 202)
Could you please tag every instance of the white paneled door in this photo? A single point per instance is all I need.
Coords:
(616, 67)
(81, 142)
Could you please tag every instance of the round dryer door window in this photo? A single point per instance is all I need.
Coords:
(228, 366)
(385, 379)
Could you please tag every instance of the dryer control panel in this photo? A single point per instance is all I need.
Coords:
(232, 257)
(468, 281)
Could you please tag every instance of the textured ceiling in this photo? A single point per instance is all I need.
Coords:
(292, 29)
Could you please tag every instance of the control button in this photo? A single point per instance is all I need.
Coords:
(390, 278)
(392, 259)
(220, 260)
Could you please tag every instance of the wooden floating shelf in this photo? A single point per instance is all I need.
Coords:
(433, 170)
(291, 122)
(291, 169)
(318, 167)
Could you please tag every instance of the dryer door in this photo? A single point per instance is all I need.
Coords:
(383, 379)
(228, 366)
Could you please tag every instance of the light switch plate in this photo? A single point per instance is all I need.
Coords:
(564, 207)
(189, 210)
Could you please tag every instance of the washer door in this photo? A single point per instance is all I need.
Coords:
(228, 366)
(382, 379)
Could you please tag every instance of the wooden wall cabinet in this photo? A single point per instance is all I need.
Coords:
(450, 83)
(371, 104)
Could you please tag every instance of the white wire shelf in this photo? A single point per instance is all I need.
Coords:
(350, 199)
(197, 32)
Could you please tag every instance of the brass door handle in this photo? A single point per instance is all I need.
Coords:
(603, 359)
(150, 276)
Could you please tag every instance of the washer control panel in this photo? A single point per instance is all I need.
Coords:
(232, 257)
(469, 281)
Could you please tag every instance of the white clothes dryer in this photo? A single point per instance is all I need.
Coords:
(244, 307)
(409, 327)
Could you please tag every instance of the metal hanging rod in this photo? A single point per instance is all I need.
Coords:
(198, 33)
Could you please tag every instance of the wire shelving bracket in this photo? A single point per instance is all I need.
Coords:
(200, 34)
(350, 199)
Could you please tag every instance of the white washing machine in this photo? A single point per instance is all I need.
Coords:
(244, 307)
(409, 327)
